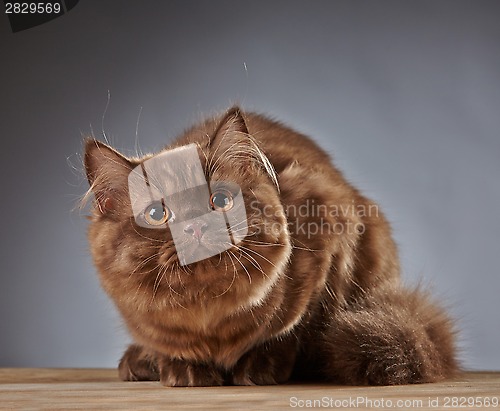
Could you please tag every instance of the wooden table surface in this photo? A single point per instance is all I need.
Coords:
(95, 389)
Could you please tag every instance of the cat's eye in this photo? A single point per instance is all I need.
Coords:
(157, 214)
(221, 200)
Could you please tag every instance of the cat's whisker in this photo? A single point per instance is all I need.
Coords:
(247, 231)
(251, 259)
(172, 292)
(158, 279)
(255, 252)
(257, 243)
(242, 266)
(144, 262)
(239, 224)
(305, 248)
(259, 269)
(232, 281)
(267, 244)
(244, 233)
(145, 237)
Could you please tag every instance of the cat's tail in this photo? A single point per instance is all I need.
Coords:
(390, 336)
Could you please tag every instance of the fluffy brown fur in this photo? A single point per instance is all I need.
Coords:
(312, 290)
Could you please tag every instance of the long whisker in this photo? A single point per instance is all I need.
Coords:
(251, 259)
(242, 266)
(158, 279)
(268, 244)
(232, 281)
(255, 252)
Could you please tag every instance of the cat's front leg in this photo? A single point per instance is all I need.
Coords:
(138, 364)
(180, 373)
(267, 364)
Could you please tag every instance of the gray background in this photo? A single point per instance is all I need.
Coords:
(404, 94)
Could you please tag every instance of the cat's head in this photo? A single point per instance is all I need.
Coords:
(200, 219)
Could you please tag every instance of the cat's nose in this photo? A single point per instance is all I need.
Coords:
(196, 229)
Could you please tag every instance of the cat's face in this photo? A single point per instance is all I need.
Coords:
(199, 220)
(170, 192)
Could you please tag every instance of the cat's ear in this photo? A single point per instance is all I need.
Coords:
(107, 172)
(230, 129)
(230, 140)
(232, 144)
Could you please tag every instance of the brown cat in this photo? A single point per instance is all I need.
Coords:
(305, 284)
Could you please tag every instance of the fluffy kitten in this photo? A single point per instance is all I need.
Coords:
(312, 289)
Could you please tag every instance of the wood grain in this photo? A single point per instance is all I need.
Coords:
(98, 389)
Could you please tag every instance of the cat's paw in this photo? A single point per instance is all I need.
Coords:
(177, 373)
(137, 364)
(263, 366)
